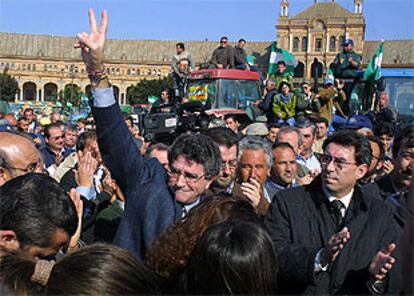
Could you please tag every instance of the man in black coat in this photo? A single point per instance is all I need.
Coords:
(331, 238)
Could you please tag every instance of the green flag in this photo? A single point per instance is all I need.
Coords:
(372, 73)
(279, 54)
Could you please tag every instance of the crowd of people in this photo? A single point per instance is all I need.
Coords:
(291, 206)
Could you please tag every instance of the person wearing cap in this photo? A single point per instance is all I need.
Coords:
(284, 104)
(347, 62)
(257, 129)
(306, 104)
(330, 99)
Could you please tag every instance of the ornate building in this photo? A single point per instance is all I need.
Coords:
(318, 32)
(43, 65)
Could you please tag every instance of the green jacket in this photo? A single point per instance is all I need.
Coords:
(346, 69)
(279, 77)
(284, 110)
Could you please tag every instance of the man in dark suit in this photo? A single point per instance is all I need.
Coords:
(153, 201)
(331, 238)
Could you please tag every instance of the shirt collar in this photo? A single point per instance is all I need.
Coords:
(346, 200)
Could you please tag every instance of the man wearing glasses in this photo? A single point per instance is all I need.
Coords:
(330, 237)
(223, 56)
(154, 201)
(18, 156)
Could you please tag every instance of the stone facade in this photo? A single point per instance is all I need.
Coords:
(318, 31)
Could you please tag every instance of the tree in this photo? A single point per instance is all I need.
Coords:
(139, 93)
(70, 94)
(8, 86)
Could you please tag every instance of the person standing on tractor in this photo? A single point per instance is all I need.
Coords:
(182, 64)
(346, 66)
(346, 63)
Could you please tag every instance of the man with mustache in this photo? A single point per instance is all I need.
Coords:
(393, 187)
(330, 237)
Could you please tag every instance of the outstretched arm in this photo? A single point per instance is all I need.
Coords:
(116, 143)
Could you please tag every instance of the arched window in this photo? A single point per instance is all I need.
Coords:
(50, 92)
(296, 44)
(299, 70)
(29, 91)
(305, 44)
(332, 43)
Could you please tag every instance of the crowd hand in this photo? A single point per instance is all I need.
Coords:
(247, 67)
(109, 185)
(220, 66)
(87, 166)
(388, 166)
(334, 246)
(92, 44)
(58, 159)
(382, 263)
(253, 191)
(341, 60)
(340, 84)
(37, 141)
(306, 180)
(77, 201)
(256, 103)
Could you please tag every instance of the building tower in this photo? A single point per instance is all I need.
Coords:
(358, 6)
(284, 8)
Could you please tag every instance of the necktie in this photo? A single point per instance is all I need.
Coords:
(337, 207)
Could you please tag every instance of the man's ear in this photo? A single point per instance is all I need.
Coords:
(361, 171)
(8, 239)
(4, 176)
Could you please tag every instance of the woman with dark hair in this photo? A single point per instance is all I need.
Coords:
(235, 257)
(99, 269)
(170, 252)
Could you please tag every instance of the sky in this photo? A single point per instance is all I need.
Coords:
(190, 19)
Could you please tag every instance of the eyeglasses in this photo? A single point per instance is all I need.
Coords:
(339, 163)
(188, 178)
(223, 42)
(231, 164)
(58, 137)
(32, 167)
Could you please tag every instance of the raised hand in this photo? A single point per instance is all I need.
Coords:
(382, 263)
(334, 246)
(253, 191)
(92, 44)
(77, 201)
(87, 166)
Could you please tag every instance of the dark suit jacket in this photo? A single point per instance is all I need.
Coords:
(300, 223)
(381, 188)
(150, 206)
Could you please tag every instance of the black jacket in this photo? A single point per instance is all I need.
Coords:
(300, 223)
(224, 56)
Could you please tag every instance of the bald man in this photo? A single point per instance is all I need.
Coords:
(18, 156)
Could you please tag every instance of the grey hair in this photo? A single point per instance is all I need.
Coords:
(287, 130)
(306, 123)
(256, 143)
